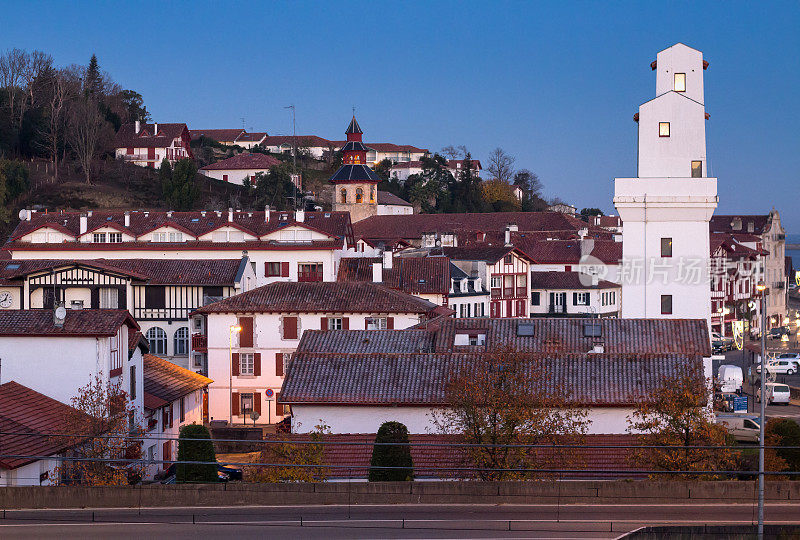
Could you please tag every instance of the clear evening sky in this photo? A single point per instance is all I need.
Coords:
(554, 84)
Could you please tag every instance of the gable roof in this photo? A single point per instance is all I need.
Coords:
(128, 137)
(366, 341)
(243, 161)
(723, 223)
(414, 275)
(27, 421)
(78, 323)
(168, 382)
(568, 280)
(219, 135)
(569, 251)
(320, 297)
(311, 141)
(385, 197)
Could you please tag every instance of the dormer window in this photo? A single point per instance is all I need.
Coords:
(168, 237)
(679, 82)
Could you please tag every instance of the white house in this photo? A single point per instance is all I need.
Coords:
(283, 245)
(390, 204)
(147, 145)
(249, 337)
(173, 397)
(666, 209)
(403, 169)
(314, 146)
(573, 294)
(28, 419)
(240, 167)
(223, 136)
(353, 382)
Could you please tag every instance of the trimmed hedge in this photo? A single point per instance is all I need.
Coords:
(194, 444)
(386, 455)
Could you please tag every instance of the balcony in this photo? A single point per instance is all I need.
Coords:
(779, 285)
(557, 309)
(309, 276)
(199, 342)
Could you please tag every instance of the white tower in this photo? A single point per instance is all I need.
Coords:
(665, 210)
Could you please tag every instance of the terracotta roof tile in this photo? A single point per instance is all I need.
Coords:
(723, 223)
(311, 141)
(414, 275)
(78, 322)
(244, 161)
(224, 135)
(384, 197)
(568, 280)
(128, 138)
(168, 382)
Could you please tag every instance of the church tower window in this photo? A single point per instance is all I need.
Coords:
(359, 195)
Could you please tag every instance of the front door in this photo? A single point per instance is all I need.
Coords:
(557, 302)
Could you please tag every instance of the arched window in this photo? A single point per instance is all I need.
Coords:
(359, 195)
(157, 339)
(372, 194)
(181, 341)
(343, 193)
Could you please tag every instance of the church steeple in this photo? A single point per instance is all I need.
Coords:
(356, 183)
(353, 131)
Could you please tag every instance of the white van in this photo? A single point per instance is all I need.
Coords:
(776, 393)
(730, 378)
(743, 427)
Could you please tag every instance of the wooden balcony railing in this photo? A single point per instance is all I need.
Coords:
(309, 276)
(199, 342)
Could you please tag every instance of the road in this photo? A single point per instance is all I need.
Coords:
(384, 521)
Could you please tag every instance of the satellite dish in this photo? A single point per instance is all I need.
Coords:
(61, 312)
(23, 214)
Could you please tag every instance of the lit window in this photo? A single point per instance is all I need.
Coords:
(697, 169)
(663, 129)
(246, 363)
(680, 82)
(666, 247)
(359, 196)
(343, 194)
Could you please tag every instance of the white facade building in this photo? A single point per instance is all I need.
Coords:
(667, 208)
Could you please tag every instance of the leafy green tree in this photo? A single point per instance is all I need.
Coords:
(786, 432)
(275, 188)
(15, 179)
(395, 454)
(586, 212)
(467, 194)
(384, 169)
(178, 185)
(134, 105)
(92, 83)
(194, 444)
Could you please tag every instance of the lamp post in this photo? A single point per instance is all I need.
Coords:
(762, 289)
(234, 329)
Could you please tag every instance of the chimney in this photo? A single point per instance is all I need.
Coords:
(266, 214)
(595, 280)
(230, 214)
(377, 273)
(582, 233)
(598, 348)
(155, 129)
(89, 213)
(587, 246)
(299, 216)
(169, 213)
(127, 219)
(202, 213)
(508, 236)
(387, 260)
(138, 127)
(84, 223)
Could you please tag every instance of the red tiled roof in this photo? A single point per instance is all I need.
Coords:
(168, 382)
(567, 280)
(219, 135)
(197, 223)
(34, 417)
(145, 138)
(251, 137)
(569, 251)
(421, 379)
(414, 275)
(478, 252)
(152, 402)
(607, 221)
(136, 339)
(732, 248)
(407, 165)
(411, 227)
(311, 141)
(384, 197)
(243, 161)
(722, 223)
(388, 147)
(321, 297)
(78, 322)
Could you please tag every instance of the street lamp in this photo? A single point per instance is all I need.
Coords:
(762, 289)
(234, 329)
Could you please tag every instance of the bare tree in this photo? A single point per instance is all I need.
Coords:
(450, 152)
(13, 64)
(501, 165)
(87, 131)
(529, 182)
(61, 88)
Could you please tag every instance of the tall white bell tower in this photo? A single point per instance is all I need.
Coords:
(665, 210)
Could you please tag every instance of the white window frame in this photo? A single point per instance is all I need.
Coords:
(335, 323)
(99, 238)
(582, 299)
(114, 238)
(375, 323)
(247, 363)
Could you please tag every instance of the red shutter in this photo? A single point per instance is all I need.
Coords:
(257, 402)
(279, 409)
(323, 323)
(130, 150)
(246, 335)
(257, 364)
(166, 453)
(224, 177)
(171, 415)
(279, 364)
(284, 269)
(390, 323)
(235, 364)
(290, 328)
(235, 403)
(266, 269)
(346, 323)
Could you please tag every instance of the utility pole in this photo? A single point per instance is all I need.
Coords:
(294, 150)
(762, 288)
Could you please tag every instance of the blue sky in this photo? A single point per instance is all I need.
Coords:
(554, 84)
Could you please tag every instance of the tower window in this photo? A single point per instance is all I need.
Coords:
(680, 82)
(359, 195)
(663, 129)
(372, 194)
(666, 247)
(343, 196)
(697, 169)
(666, 304)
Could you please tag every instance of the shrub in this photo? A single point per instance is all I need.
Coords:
(387, 455)
(194, 444)
(786, 432)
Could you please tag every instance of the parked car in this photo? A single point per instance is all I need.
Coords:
(730, 378)
(781, 367)
(792, 356)
(778, 332)
(727, 343)
(743, 427)
(224, 474)
(776, 393)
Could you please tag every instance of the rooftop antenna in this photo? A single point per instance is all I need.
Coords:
(294, 149)
(242, 119)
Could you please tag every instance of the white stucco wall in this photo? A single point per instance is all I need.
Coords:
(30, 474)
(235, 176)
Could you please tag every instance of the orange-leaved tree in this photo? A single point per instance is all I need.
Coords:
(499, 400)
(106, 436)
(677, 416)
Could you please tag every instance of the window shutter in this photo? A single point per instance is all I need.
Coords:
(390, 323)
(257, 364)
(165, 454)
(266, 269)
(257, 403)
(122, 299)
(235, 364)
(284, 269)
(575, 298)
(279, 364)
(346, 323)
(246, 335)
(235, 403)
(95, 301)
(290, 328)
(279, 410)
(323, 323)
